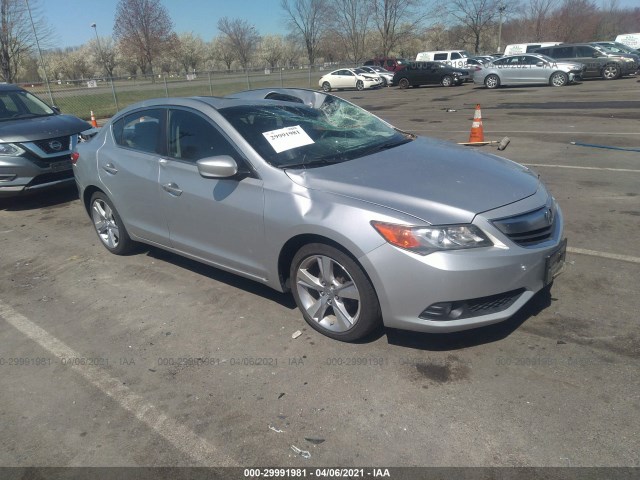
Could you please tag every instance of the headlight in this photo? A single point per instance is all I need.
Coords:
(10, 149)
(426, 240)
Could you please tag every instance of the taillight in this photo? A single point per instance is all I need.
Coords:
(74, 157)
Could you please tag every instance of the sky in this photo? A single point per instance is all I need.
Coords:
(72, 19)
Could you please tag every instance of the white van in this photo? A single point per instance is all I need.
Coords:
(517, 48)
(630, 40)
(453, 58)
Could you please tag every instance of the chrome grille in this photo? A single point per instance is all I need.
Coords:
(49, 145)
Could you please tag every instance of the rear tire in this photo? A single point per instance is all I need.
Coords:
(333, 293)
(326, 87)
(109, 226)
(403, 83)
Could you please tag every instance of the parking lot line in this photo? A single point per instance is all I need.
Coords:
(179, 436)
(611, 256)
(528, 131)
(582, 168)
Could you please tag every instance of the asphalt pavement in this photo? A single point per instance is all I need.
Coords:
(155, 360)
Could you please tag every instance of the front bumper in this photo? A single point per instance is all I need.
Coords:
(19, 175)
(491, 283)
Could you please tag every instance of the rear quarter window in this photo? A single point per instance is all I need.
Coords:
(440, 56)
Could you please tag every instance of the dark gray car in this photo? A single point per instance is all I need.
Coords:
(599, 62)
(35, 143)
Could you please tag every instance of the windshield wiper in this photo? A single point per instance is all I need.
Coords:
(384, 146)
(310, 163)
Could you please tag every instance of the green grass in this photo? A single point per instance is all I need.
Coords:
(80, 101)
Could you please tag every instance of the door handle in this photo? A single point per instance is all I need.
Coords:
(109, 168)
(172, 188)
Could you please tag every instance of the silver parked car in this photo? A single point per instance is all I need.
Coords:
(527, 68)
(303, 191)
(386, 77)
(35, 143)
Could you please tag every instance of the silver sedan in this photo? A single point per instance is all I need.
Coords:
(305, 192)
(527, 69)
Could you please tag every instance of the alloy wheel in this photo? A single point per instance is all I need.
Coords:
(328, 293)
(105, 223)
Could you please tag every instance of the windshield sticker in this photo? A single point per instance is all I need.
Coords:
(288, 138)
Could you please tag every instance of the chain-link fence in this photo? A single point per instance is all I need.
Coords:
(105, 96)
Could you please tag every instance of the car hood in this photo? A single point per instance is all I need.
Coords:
(39, 128)
(434, 181)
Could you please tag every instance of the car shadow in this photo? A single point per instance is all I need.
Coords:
(235, 281)
(51, 198)
(402, 338)
(473, 337)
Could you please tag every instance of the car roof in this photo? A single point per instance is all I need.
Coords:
(246, 98)
(10, 87)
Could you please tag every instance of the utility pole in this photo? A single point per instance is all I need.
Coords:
(104, 65)
(501, 9)
(44, 69)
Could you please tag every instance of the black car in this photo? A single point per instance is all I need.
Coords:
(35, 143)
(429, 73)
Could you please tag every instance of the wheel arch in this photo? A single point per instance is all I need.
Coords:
(295, 243)
(87, 194)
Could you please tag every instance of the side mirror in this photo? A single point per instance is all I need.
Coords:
(55, 109)
(222, 166)
(596, 55)
(539, 64)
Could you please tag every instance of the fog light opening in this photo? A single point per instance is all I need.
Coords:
(7, 177)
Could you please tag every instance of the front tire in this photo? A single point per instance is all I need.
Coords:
(326, 87)
(492, 81)
(447, 81)
(611, 71)
(333, 293)
(359, 85)
(559, 79)
(108, 225)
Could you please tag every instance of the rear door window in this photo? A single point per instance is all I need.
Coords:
(584, 52)
(563, 52)
(440, 56)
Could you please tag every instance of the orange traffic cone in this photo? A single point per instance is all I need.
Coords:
(93, 120)
(477, 133)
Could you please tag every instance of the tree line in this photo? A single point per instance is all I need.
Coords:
(143, 40)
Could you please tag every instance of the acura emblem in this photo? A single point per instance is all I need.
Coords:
(548, 215)
(55, 145)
